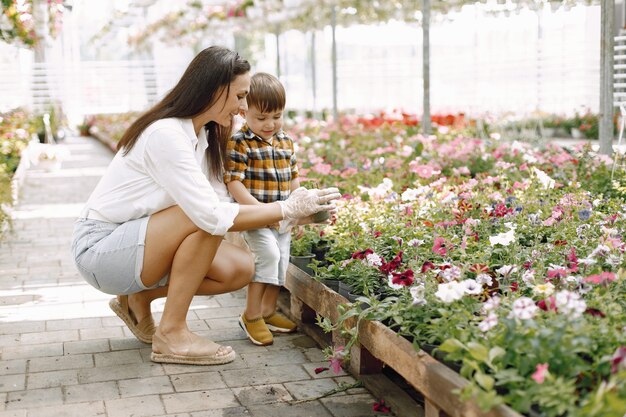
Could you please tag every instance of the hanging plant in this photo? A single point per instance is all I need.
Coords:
(17, 24)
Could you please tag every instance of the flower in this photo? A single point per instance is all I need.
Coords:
(503, 239)
(337, 358)
(320, 370)
(471, 286)
(601, 278)
(450, 291)
(544, 289)
(618, 361)
(569, 302)
(380, 407)
(489, 322)
(491, 304)
(524, 308)
(404, 279)
(484, 279)
(540, 373)
(543, 178)
(418, 292)
(439, 246)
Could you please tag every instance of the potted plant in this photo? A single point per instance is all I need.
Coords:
(85, 127)
(302, 242)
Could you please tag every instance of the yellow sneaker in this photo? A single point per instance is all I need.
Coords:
(280, 324)
(257, 330)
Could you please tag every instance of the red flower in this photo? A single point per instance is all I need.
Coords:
(362, 254)
(479, 268)
(388, 267)
(547, 304)
(595, 312)
(426, 266)
(405, 278)
(377, 233)
(381, 407)
(619, 359)
(320, 370)
(500, 210)
(514, 286)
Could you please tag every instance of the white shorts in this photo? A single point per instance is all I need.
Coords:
(271, 254)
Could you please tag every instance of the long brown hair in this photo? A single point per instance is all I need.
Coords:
(197, 90)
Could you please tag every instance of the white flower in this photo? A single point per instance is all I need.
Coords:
(410, 194)
(587, 261)
(528, 277)
(544, 178)
(524, 308)
(471, 286)
(391, 284)
(506, 270)
(545, 289)
(451, 274)
(484, 279)
(600, 252)
(415, 242)
(450, 291)
(613, 260)
(489, 322)
(418, 292)
(568, 302)
(503, 239)
(373, 260)
(491, 304)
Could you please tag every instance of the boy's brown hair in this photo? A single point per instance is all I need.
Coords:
(266, 94)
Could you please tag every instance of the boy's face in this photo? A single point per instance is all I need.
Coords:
(264, 125)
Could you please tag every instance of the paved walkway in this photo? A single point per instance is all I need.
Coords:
(64, 353)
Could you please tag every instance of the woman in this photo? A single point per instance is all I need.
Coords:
(154, 225)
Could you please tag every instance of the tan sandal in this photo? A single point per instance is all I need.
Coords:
(144, 330)
(200, 352)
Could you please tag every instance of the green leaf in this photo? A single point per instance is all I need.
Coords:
(478, 351)
(484, 380)
(451, 345)
(495, 353)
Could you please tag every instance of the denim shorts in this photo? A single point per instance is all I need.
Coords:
(109, 256)
(271, 254)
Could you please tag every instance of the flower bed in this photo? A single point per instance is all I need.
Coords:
(16, 128)
(507, 258)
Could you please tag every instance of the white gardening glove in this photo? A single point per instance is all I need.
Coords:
(302, 202)
(286, 225)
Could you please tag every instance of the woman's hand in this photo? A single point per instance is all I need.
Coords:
(303, 203)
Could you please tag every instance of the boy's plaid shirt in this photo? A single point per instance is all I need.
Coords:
(265, 169)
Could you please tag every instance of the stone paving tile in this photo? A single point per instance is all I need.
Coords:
(32, 351)
(199, 400)
(90, 409)
(16, 382)
(148, 405)
(289, 341)
(91, 392)
(86, 346)
(350, 405)
(13, 413)
(349, 380)
(273, 358)
(17, 366)
(312, 388)
(214, 313)
(265, 375)
(73, 324)
(34, 398)
(311, 366)
(104, 333)
(308, 409)
(125, 343)
(50, 336)
(223, 412)
(145, 386)
(9, 340)
(22, 327)
(121, 357)
(3, 397)
(262, 394)
(113, 373)
(197, 381)
(52, 379)
(57, 363)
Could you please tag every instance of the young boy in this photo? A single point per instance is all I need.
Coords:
(262, 169)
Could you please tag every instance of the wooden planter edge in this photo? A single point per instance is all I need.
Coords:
(427, 375)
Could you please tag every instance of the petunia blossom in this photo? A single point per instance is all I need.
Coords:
(489, 322)
(541, 371)
(524, 308)
(450, 291)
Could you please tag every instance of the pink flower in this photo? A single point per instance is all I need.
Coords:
(320, 168)
(439, 246)
(337, 359)
(540, 374)
(424, 171)
(602, 278)
(380, 407)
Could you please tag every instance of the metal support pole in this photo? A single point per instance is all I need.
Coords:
(277, 33)
(426, 128)
(333, 24)
(606, 75)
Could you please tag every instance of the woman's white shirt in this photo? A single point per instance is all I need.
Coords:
(166, 167)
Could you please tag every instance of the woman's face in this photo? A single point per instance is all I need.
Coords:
(232, 104)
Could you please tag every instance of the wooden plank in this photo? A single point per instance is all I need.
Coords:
(430, 377)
